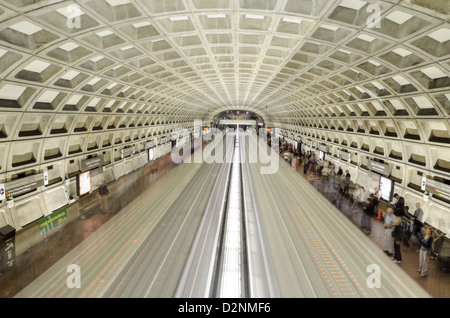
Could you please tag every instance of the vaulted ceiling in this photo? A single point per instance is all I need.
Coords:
(98, 66)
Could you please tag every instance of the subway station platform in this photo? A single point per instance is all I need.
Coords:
(437, 283)
(42, 256)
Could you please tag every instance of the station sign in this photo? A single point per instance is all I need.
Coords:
(127, 152)
(23, 185)
(438, 189)
(378, 167)
(149, 144)
(323, 148)
(346, 156)
(91, 164)
(52, 221)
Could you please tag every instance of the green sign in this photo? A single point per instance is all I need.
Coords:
(52, 221)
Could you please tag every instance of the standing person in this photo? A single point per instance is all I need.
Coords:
(399, 207)
(347, 181)
(417, 217)
(294, 162)
(397, 235)
(102, 194)
(339, 172)
(366, 219)
(357, 195)
(332, 174)
(389, 223)
(425, 252)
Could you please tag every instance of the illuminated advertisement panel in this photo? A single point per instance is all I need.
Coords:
(386, 188)
(151, 154)
(84, 183)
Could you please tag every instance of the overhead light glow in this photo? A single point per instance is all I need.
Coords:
(216, 16)
(292, 20)
(180, 18)
(254, 16)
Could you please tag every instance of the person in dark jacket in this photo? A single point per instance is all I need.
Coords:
(397, 234)
(426, 241)
(366, 219)
(399, 207)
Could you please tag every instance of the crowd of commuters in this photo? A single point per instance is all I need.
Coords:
(396, 231)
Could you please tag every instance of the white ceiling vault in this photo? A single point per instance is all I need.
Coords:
(79, 73)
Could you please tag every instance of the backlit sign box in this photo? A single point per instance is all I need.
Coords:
(127, 152)
(84, 184)
(91, 164)
(438, 189)
(386, 187)
(149, 144)
(345, 156)
(23, 185)
(151, 154)
(323, 148)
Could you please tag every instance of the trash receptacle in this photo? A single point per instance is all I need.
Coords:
(7, 248)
